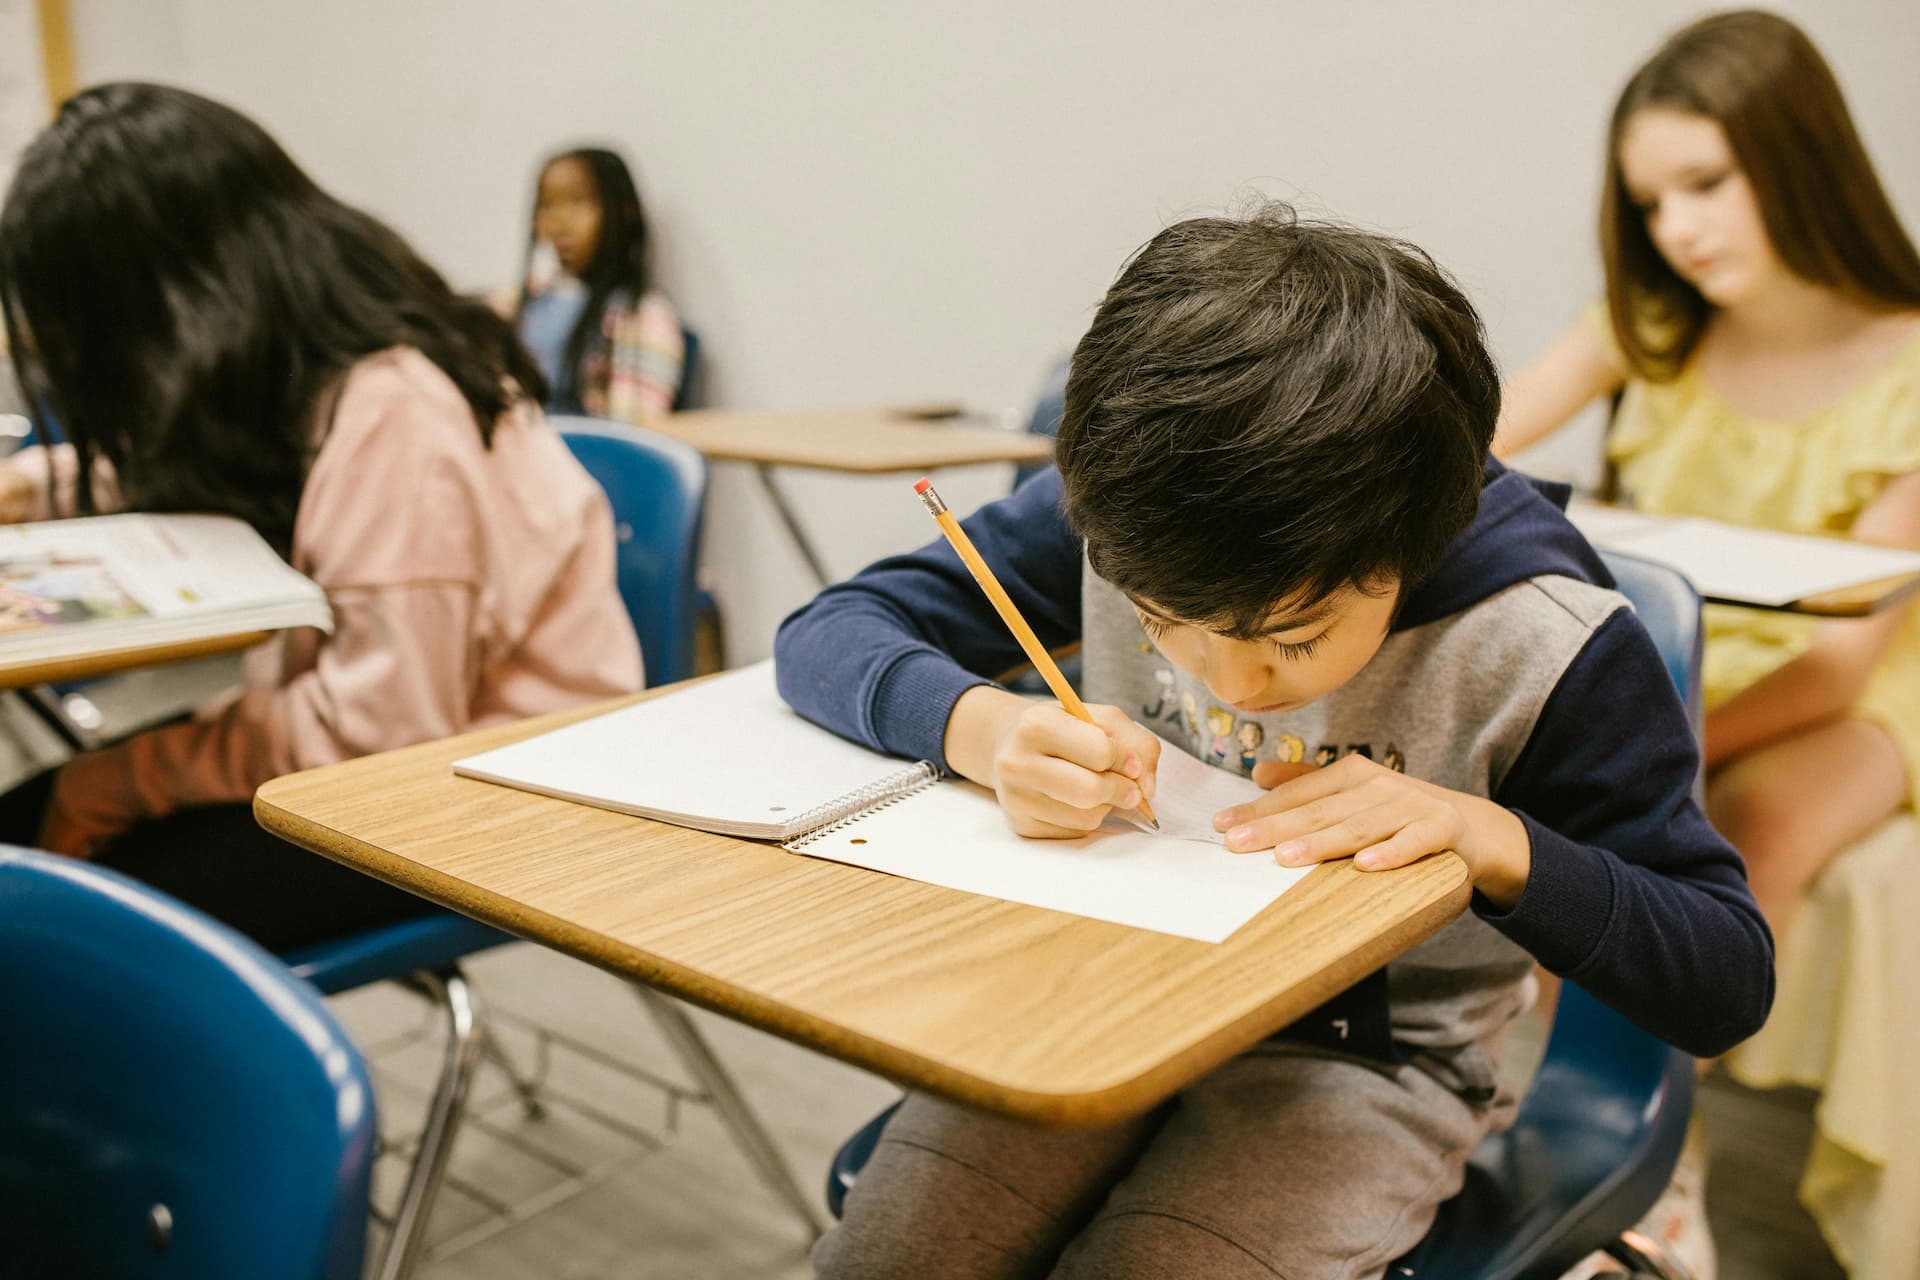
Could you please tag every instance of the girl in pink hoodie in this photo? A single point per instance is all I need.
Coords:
(214, 333)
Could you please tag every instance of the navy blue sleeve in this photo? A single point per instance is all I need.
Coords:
(882, 657)
(1632, 893)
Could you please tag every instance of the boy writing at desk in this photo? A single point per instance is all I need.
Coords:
(1274, 489)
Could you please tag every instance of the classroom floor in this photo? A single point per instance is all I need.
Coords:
(629, 1176)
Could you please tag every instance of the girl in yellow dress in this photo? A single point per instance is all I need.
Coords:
(1762, 324)
(1762, 330)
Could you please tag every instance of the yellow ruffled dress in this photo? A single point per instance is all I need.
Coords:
(1680, 449)
(1844, 1021)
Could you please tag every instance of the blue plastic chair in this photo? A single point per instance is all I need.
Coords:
(172, 1102)
(1049, 407)
(1601, 1128)
(658, 489)
(687, 394)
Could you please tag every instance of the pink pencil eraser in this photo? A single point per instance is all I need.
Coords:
(922, 485)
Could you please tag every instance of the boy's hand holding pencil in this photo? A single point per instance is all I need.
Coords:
(1056, 776)
(1058, 769)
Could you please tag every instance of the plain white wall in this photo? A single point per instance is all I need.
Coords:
(862, 202)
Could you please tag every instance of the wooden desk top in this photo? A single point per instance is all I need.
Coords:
(1030, 1012)
(57, 670)
(864, 440)
(1856, 602)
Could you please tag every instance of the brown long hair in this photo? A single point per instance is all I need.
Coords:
(1760, 78)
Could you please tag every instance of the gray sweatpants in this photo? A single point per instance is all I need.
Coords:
(1288, 1161)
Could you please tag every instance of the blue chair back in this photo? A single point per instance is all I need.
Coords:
(1669, 608)
(658, 489)
(687, 394)
(172, 1102)
(1048, 410)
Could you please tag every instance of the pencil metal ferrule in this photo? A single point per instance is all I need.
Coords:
(931, 498)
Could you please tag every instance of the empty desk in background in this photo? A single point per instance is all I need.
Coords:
(858, 441)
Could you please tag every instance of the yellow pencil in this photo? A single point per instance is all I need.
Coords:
(1036, 652)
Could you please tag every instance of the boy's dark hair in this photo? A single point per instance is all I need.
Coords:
(1268, 409)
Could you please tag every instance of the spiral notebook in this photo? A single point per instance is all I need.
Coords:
(727, 755)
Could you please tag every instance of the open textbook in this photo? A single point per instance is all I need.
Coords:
(71, 588)
(727, 755)
(1737, 564)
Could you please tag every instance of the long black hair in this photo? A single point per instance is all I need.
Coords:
(620, 258)
(185, 301)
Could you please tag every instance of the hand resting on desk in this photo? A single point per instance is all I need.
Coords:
(1382, 819)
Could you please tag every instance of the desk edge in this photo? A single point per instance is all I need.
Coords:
(1110, 1104)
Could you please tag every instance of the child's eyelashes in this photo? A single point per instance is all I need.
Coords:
(1292, 651)
(1298, 651)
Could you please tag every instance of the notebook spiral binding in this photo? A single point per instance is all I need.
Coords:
(850, 808)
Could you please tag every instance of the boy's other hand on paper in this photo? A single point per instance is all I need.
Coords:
(1382, 819)
(1056, 776)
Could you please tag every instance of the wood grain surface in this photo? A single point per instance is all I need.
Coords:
(1035, 1013)
(869, 440)
(1857, 601)
(57, 670)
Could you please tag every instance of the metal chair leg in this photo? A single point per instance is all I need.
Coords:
(77, 726)
(740, 1118)
(525, 1085)
(464, 1038)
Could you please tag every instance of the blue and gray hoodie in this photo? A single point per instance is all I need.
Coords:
(1513, 672)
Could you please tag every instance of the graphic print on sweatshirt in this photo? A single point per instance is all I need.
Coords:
(1452, 702)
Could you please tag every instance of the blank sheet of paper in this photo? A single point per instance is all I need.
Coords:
(1180, 880)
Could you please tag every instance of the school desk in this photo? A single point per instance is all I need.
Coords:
(32, 678)
(861, 441)
(1857, 602)
(1033, 1013)
(1618, 527)
(18, 674)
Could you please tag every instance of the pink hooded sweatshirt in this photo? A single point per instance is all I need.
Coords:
(470, 586)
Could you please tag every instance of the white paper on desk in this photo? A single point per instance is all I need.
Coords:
(1736, 563)
(1180, 880)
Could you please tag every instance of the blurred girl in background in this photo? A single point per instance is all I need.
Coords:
(608, 341)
